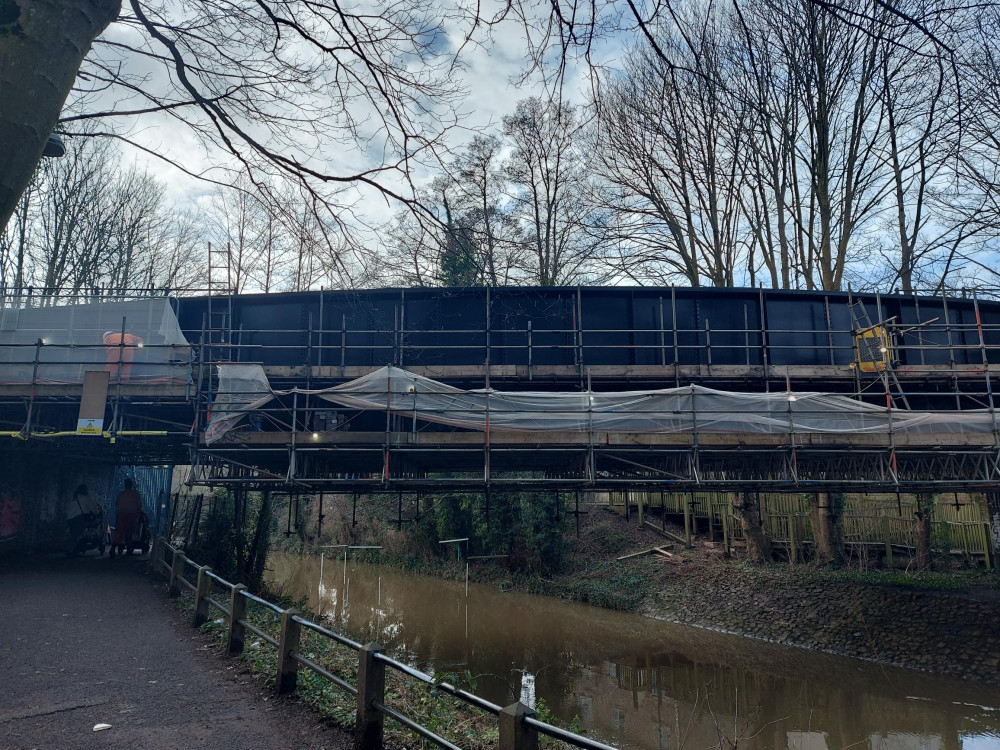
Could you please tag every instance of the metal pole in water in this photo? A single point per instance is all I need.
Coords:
(467, 579)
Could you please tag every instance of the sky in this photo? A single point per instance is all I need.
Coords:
(490, 75)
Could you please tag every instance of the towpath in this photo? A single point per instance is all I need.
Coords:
(91, 641)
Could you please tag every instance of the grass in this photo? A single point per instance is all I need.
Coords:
(424, 703)
(918, 580)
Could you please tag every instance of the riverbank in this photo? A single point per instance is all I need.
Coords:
(942, 623)
(933, 622)
(954, 632)
(939, 623)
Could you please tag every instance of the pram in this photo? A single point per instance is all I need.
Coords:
(94, 535)
(142, 538)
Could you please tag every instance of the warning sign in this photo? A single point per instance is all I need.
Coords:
(89, 426)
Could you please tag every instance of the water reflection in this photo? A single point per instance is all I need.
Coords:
(643, 684)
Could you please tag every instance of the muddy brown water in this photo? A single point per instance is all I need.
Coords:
(640, 683)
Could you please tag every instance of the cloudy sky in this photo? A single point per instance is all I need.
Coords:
(490, 75)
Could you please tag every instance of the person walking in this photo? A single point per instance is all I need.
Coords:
(128, 507)
(120, 349)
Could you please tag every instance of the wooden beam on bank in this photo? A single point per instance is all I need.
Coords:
(652, 550)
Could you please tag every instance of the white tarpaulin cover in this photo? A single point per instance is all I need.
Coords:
(78, 338)
(243, 388)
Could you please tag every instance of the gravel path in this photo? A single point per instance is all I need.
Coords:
(91, 641)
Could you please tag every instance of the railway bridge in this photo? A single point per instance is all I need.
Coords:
(480, 389)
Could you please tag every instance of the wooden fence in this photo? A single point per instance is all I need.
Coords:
(518, 727)
(881, 525)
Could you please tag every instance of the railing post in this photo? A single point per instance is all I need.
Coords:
(371, 690)
(288, 668)
(727, 516)
(176, 568)
(237, 612)
(156, 558)
(201, 595)
(515, 734)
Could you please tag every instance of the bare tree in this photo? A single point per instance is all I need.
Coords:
(89, 223)
(15, 242)
(287, 89)
(551, 189)
(475, 235)
(671, 141)
(972, 201)
(42, 46)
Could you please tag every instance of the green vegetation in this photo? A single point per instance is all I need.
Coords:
(234, 537)
(919, 580)
(425, 703)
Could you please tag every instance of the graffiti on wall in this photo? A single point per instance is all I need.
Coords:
(10, 515)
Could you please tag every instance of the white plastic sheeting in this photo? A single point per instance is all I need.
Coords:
(73, 341)
(244, 388)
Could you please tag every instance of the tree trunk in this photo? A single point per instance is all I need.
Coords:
(253, 571)
(924, 506)
(993, 508)
(825, 518)
(42, 45)
(758, 545)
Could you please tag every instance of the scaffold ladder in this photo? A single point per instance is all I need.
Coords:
(220, 301)
(871, 348)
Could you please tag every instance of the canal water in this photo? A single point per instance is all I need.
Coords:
(639, 683)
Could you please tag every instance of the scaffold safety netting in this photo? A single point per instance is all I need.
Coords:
(135, 341)
(245, 388)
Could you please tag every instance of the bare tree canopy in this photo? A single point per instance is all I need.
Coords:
(800, 143)
(330, 95)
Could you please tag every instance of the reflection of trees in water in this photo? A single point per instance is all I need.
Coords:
(729, 706)
(636, 681)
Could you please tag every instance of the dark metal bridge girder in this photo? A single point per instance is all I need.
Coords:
(375, 469)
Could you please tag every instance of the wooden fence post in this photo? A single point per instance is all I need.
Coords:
(176, 568)
(156, 557)
(201, 595)
(237, 612)
(288, 668)
(727, 518)
(991, 562)
(793, 543)
(515, 734)
(688, 507)
(371, 690)
(887, 537)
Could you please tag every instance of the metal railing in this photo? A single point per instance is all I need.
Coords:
(518, 727)
(952, 346)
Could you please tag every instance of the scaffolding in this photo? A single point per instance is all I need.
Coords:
(776, 430)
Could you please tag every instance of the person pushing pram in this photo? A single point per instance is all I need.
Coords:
(131, 522)
(85, 519)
